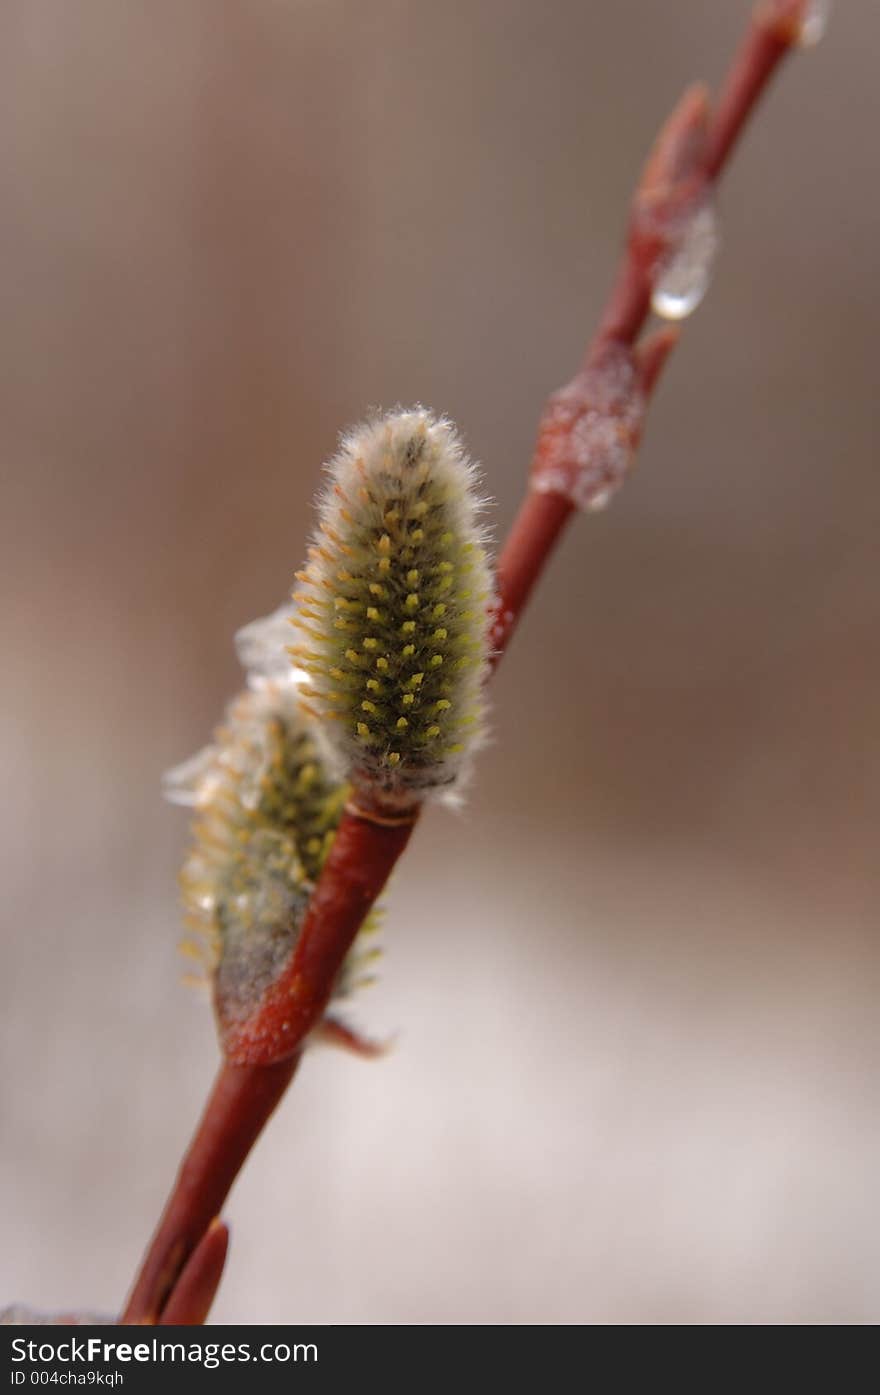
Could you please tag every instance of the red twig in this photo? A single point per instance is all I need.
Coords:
(333, 1032)
(238, 1107)
(689, 154)
(366, 846)
(192, 1295)
(774, 31)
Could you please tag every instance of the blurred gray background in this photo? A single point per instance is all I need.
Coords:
(635, 983)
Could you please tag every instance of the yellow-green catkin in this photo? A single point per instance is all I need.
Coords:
(393, 607)
(267, 811)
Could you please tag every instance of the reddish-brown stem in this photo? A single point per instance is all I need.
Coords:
(692, 149)
(260, 1065)
(537, 528)
(769, 38)
(652, 353)
(192, 1295)
(241, 1102)
(630, 301)
(366, 846)
(334, 1032)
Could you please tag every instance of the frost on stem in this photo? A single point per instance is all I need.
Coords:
(590, 430)
(393, 608)
(267, 811)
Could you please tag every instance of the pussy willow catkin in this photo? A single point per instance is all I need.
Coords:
(268, 809)
(394, 607)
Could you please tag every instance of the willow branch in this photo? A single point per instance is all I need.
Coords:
(190, 1300)
(689, 155)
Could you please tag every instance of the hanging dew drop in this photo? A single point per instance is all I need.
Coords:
(675, 300)
(683, 276)
(599, 501)
(814, 23)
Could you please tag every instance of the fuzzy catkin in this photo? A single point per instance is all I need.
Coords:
(394, 607)
(268, 808)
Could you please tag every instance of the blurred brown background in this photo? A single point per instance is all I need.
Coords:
(635, 984)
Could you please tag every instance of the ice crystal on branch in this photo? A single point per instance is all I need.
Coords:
(590, 430)
(394, 607)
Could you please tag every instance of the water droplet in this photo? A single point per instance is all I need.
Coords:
(814, 23)
(683, 274)
(599, 501)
